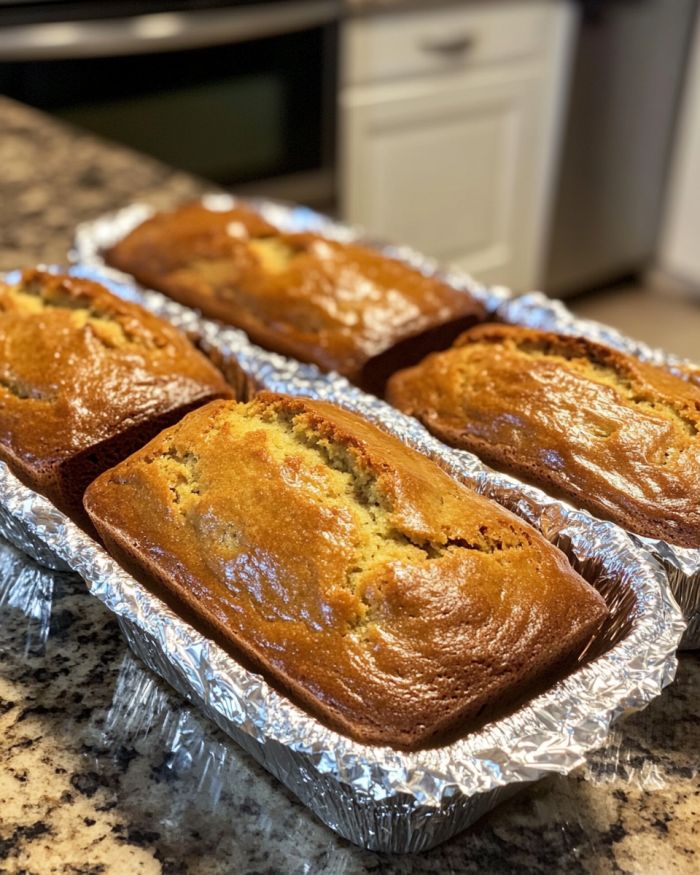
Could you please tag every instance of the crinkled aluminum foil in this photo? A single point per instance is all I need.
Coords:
(144, 714)
(35, 543)
(377, 797)
(682, 564)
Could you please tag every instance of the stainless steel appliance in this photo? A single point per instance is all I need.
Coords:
(626, 83)
(235, 92)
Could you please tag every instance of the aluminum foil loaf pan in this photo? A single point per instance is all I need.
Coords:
(377, 797)
(534, 310)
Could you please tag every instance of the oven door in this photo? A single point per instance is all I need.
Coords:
(243, 96)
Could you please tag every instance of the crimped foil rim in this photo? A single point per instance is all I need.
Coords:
(551, 733)
(522, 747)
(534, 309)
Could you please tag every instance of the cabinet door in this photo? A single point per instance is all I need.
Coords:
(453, 172)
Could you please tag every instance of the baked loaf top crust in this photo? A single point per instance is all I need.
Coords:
(338, 305)
(611, 433)
(689, 372)
(393, 602)
(78, 365)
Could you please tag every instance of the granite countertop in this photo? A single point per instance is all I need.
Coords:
(105, 770)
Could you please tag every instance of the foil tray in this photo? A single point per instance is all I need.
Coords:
(376, 797)
(214, 786)
(535, 310)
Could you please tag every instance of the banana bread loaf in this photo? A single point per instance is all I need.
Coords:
(610, 433)
(689, 372)
(85, 379)
(389, 600)
(342, 306)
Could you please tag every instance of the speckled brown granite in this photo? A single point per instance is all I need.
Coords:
(52, 178)
(101, 769)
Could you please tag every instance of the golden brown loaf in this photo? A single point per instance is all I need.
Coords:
(601, 428)
(393, 602)
(86, 378)
(342, 306)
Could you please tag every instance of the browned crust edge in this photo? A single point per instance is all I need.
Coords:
(64, 481)
(505, 460)
(468, 717)
(435, 333)
(453, 725)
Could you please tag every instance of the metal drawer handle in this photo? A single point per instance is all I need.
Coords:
(449, 45)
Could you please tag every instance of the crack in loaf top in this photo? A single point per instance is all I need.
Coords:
(336, 304)
(382, 595)
(78, 364)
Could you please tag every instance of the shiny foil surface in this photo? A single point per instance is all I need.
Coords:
(534, 310)
(202, 794)
(377, 797)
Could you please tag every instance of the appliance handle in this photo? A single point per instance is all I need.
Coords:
(457, 44)
(161, 32)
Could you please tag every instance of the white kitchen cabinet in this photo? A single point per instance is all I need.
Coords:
(450, 146)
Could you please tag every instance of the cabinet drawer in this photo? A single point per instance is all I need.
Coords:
(446, 39)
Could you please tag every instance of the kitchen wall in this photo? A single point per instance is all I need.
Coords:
(679, 254)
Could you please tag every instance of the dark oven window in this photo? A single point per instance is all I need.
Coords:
(230, 113)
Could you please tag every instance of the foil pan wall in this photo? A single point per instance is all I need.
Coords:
(35, 542)
(377, 797)
(682, 564)
(207, 782)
